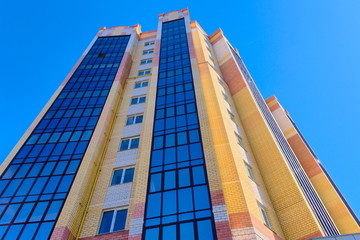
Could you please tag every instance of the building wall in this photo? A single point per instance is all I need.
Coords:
(339, 211)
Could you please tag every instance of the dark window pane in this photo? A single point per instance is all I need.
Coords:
(170, 140)
(184, 177)
(183, 153)
(169, 203)
(23, 170)
(24, 212)
(25, 186)
(205, 231)
(185, 200)
(52, 184)
(153, 205)
(65, 183)
(129, 175)
(130, 120)
(198, 175)
(169, 232)
(181, 138)
(134, 143)
(187, 231)
(38, 211)
(152, 234)
(44, 231)
(73, 166)
(39, 185)
(195, 151)
(155, 182)
(36, 169)
(12, 187)
(29, 231)
(53, 210)
(86, 135)
(194, 136)
(158, 142)
(157, 158)
(170, 155)
(9, 213)
(120, 220)
(60, 167)
(13, 232)
(169, 180)
(81, 147)
(48, 168)
(124, 144)
(201, 197)
(116, 177)
(106, 222)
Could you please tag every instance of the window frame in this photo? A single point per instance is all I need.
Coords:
(249, 170)
(146, 61)
(144, 72)
(264, 215)
(134, 120)
(150, 43)
(129, 144)
(141, 84)
(148, 51)
(113, 219)
(122, 175)
(138, 100)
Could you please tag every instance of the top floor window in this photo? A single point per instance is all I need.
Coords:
(150, 51)
(146, 61)
(149, 43)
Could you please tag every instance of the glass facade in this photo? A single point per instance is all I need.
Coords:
(178, 200)
(36, 183)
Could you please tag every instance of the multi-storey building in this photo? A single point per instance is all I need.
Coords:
(164, 135)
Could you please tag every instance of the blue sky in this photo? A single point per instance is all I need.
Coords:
(305, 52)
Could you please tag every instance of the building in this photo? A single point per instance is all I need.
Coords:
(164, 135)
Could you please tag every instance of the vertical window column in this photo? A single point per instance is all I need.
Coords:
(178, 200)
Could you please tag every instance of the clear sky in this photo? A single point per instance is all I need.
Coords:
(305, 52)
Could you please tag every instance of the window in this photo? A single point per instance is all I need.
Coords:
(134, 119)
(249, 171)
(122, 176)
(226, 98)
(149, 43)
(141, 84)
(144, 72)
(146, 61)
(150, 51)
(239, 139)
(113, 221)
(129, 143)
(137, 100)
(231, 115)
(264, 215)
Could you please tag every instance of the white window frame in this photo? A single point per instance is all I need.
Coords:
(129, 144)
(144, 72)
(122, 175)
(264, 215)
(134, 120)
(239, 139)
(113, 219)
(146, 61)
(150, 51)
(142, 83)
(250, 171)
(138, 100)
(149, 43)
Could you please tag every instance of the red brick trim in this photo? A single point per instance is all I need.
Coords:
(122, 235)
